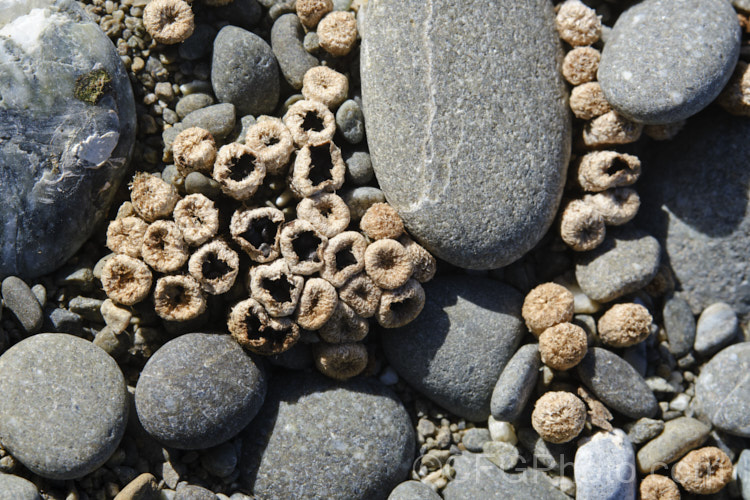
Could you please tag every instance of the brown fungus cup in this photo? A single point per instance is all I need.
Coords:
(215, 266)
(276, 288)
(582, 226)
(704, 471)
(316, 304)
(239, 171)
(562, 346)
(152, 197)
(400, 306)
(317, 169)
(344, 257)
(340, 361)
(345, 325)
(381, 221)
(271, 140)
(126, 280)
(164, 248)
(257, 231)
(125, 236)
(547, 305)
(197, 217)
(302, 247)
(362, 295)
(256, 331)
(388, 263)
(194, 150)
(326, 211)
(178, 298)
(558, 417)
(311, 123)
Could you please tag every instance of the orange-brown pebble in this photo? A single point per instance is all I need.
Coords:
(197, 218)
(362, 295)
(344, 257)
(168, 21)
(337, 33)
(126, 280)
(256, 331)
(562, 346)
(215, 266)
(316, 304)
(317, 169)
(704, 471)
(125, 236)
(558, 416)
(302, 247)
(388, 263)
(325, 85)
(400, 306)
(582, 226)
(345, 325)
(194, 150)
(164, 248)
(580, 65)
(152, 197)
(587, 101)
(735, 98)
(311, 123)
(178, 298)
(239, 171)
(547, 305)
(602, 170)
(340, 361)
(257, 231)
(658, 487)
(616, 206)
(381, 221)
(609, 129)
(326, 211)
(578, 24)
(310, 12)
(423, 262)
(271, 140)
(276, 288)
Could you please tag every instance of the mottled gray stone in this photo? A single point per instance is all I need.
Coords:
(359, 168)
(244, 71)
(318, 438)
(19, 299)
(62, 159)
(625, 262)
(218, 119)
(717, 326)
(221, 460)
(350, 122)
(413, 490)
(679, 324)
(64, 405)
(549, 455)
(605, 467)
(193, 492)
(516, 383)
(196, 182)
(17, 488)
(360, 199)
(743, 474)
(455, 100)
(617, 384)
(287, 38)
(661, 66)
(192, 102)
(199, 390)
(475, 438)
(644, 429)
(455, 350)
(502, 454)
(722, 390)
(679, 436)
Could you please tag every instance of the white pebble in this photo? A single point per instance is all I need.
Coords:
(502, 431)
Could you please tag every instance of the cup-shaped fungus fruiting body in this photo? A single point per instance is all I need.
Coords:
(168, 21)
(337, 33)
(362, 295)
(276, 288)
(340, 361)
(257, 231)
(194, 150)
(197, 217)
(126, 280)
(271, 140)
(178, 298)
(310, 12)
(215, 266)
(580, 65)
(577, 23)
(547, 305)
(609, 129)
(302, 247)
(388, 263)
(624, 325)
(703, 471)
(311, 123)
(562, 346)
(558, 416)
(325, 85)
(125, 236)
(582, 226)
(327, 212)
(602, 170)
(345, 325)
(253, 328)
(735, 98)
(381, 221)
(317, 169)
(239, 171)
(423, 262)
(587, 101)
(658, 487)
(317, 304)
(344, 257)
(152, 197)
(616, 206)
(164, 248)
(400, 306)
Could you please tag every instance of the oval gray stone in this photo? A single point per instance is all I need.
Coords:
(17, 297)
(678, 437)
(717, 326)
(218, 119)
(413, 490)
(66, 133)
(605, 467)
(199, 390)
(286, 42)
(679, 324)
(468, 129)
(64, 405)
(17, 488)
(516, 383)
(455, 350)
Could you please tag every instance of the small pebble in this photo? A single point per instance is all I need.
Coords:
(679, 436)
(474, 439)
(193, 492)
(413, 490)
(516, 383)
(17, 488)
(192, 102)
(501, 431)
(143, 487)
(218, 119)
(350, 121)
(502, 454)
(679, 324)
(644, 429)
(220, 461)
(359, 168)
(19, 299)
(717, 326)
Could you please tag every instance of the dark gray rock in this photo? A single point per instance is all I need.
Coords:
(743, 474)
(244, 71)
(617, 384)
(196, 182)
(679, 324)
(64, 405)
(350, 122)
(637, 357)
(199, 43)
(318, 438)
(360, 199)
(17, 488)
(605, 467)
(625, 262)
(62, 158)
(199, 390)
(644, 429)
(679, 437)
(287, 36)
(455, 350)
(432, 84)
(221, 460)
(413, 490)
(192, 102)
(549, 455)
(63, 321)
(516, 383)
(661, 66)
(19, 299)
(218, 119)
(475, 438)
(359, 168)
(722, 390)
(717, 326)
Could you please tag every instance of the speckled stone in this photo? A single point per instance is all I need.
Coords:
(192, 102)
(218, 119)
(605, 467)
(679, 324)
(516, 383)
(717, 326)
(446, 145)
(550, 455)
(359, 168)
(64, 405)
(199, 390)
(17, 488)
(475, 438)
(679, 436)
(318, 438)
(743, 473)
(19, 299)
(193, 492)
(350, 122)
(360, 199)
(455, 350)
(722, 390)
(413, 490)
(287, 36)
(664, 60)
(644, 429)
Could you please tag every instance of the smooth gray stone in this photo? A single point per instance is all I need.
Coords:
(743, 474)
(661, 66)
(192, 102)
(625, 262)
(287, 37)
(17, 488)
(61, 159)
(516, 383)
(193, 492)
(644, 429)
(360, 199)
(319, 438)
(679, 437)
(605, 467)
(617, 384)
(218, 119)
(199, 390)
(456, 100)
(717, 326)
(679, 324)
(359, 168)
(19, 299)
(64, 405)
(244, 72)
(549, 455)
(350, 122)
(502, 454)
(722, 390)
(413, 490)
(475, 438)
(455, 350)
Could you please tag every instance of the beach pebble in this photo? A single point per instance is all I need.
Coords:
(218, 119)
(605, 467)
(501, 431)
(551, 455)
(502, 454)
(660, 65)
(413, 490)
(743, 473)
(644, 429)
(717, 326)
(453, 131)
(466, 321)
(221, 460)
(360, 199)
(350, 122)
(287, 36)
(679, 437)
(143, 487)
(679, 324)
(17, 488)
(474, 439)
(516, 383)
(199, 390)
(192, 492)
(359, 168)
(192, 102)
(19, 299)
(55, 386)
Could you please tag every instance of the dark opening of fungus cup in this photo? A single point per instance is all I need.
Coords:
(276, 288)
(163, 247)
(325, 85)
(178, 298)
(215, 266)
(311, 123)
(326, 211)
(197, 218)
(582, 226)
(558, 417)
(400, 306)
(271, 140)
(152, 197)
(194, 150)
(345, 325)
(602, 170)
(344, 257)
(362, 295)
(302, 247)
(704, 471)
(316, 304)
(317, 169)
(126, 280)
(423, 262)
(257, 231)
(256, 331)
(547, 305)
(388, 263)
(239, 171)
(125, 236)
(381, 221)
(624, 325)
(168, 21)
(340, 361)
(562, 346)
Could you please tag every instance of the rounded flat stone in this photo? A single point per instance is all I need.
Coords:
(678, 437)
(287, 35)
(17, 488)
(64, 405)
(605, 467)
(516, 383)
(717, 326)
(199, 390)
(19, 299)
(467, 122)
(664, 60)
(413, 490)
(679, 324)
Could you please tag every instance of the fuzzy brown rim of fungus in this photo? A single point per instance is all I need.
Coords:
(310, 12)
(257, 231)
(194, 150)
(178, 298)
(344, 257)
(602, 170)
(345, 325)
(703, 471)
(316, 169)
(152, 197)
(197, 217)
(558, 416)
(547, 305)
(311, 123)
(609, 129)
(239, 171)
(401, 306)
(362, 295)
(164, 248)
(327, 212)
(388, 263)
(215, 266)
(340, 361)
(271, 140)
(658, 487)
(616, 206)
(316, 304)
(325, 85)
(274, 286)
(125, 236)
(577, 23)
(563, 346)
(425, 265)
(381, 221)
(337, 33)
(624, 325)
(168, 21)
(582, 226)
(302, 247)
(126, 280)
(587, 101)
(580, 65)
(252, 327)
